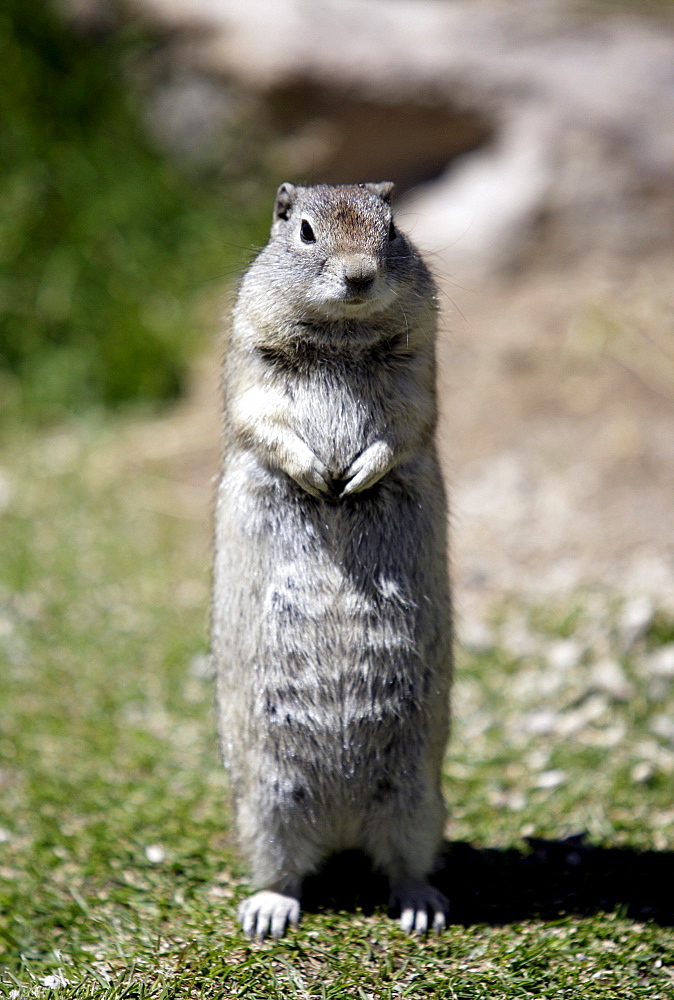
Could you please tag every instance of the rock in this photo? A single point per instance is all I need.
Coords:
(608, 676)
(637, 615)
(201, 667)
(660, 663)
(642, 772)
(573, 721)
(475, 635)
(550, 779)
(663, 726)
(155, 854)
(565, 655)
(540, 722)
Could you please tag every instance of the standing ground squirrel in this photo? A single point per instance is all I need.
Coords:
(331, 629)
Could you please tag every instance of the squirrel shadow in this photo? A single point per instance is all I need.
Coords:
(490, 885)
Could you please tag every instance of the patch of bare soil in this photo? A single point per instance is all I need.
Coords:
(558, 432)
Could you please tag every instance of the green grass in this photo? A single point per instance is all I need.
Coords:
(118, 873)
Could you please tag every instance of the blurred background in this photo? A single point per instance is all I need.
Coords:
(532, 146)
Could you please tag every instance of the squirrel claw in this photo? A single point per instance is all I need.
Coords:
(266, 912)
(415, 902)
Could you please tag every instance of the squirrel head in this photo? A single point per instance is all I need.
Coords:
(340, 245)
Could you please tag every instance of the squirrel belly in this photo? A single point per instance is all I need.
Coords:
(341, 645)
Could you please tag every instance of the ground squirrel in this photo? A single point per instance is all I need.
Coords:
(331, 609)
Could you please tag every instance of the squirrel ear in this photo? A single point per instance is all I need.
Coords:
(383, 190)
(285, 197)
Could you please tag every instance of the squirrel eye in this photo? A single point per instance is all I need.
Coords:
(392, 231)
(306, 232)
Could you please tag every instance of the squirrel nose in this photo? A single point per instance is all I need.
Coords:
(360, 271)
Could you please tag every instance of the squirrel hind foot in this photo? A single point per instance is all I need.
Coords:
(415, 903)
(268, 912)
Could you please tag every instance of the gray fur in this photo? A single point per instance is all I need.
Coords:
(331, 616)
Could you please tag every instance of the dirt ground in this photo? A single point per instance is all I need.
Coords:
(558, 431)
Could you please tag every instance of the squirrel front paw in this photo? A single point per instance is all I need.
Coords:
(310, 473)
(368, 468)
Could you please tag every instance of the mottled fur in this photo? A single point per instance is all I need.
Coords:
(331, 613)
